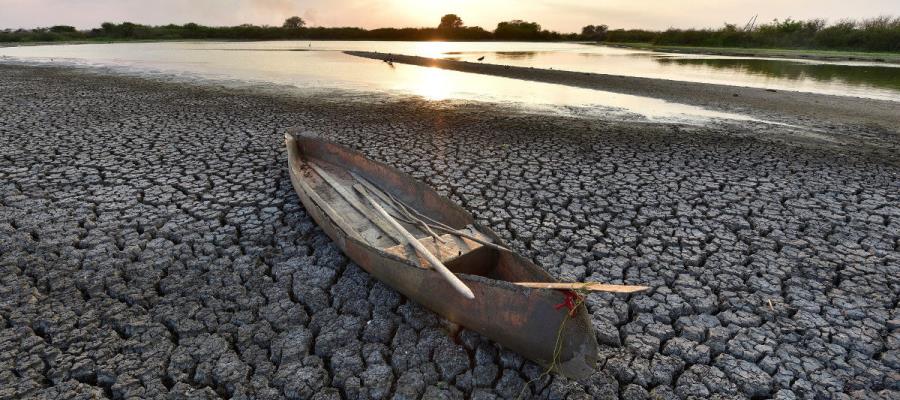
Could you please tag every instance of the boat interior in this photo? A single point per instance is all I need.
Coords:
(346, 196)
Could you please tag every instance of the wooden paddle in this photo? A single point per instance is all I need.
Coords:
(438, 266)
(590, 286)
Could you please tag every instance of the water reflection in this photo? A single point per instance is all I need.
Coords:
(292, 62)
(515, 55)
(334, 72)
(500, 55)
(432, 84)
(873, 80)
(430, 49)
(493, 55)
(867, 75)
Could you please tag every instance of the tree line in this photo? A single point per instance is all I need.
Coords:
(873, 34)
(451, 27)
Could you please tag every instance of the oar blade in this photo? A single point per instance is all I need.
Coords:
(590, 286)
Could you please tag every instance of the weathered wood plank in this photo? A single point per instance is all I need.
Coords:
(351, 198)
(330, 212)
(438, 266)
(591, 286)
(452, 247)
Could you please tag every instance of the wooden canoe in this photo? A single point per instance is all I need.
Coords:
(525, 320)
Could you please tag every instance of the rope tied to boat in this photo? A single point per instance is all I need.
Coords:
(574, 298)
(571, 301)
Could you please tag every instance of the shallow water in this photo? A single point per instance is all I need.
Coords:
(859, 79)
(850, 78)
(321, 66)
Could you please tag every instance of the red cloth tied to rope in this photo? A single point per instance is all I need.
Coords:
(571, 302)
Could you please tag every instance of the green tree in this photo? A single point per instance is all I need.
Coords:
(294, 22)
(450, 22)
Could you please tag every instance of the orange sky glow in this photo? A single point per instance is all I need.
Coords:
(561, 15)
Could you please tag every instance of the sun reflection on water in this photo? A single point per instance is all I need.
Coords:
(432, 49)
(334, 70)
(432, 84)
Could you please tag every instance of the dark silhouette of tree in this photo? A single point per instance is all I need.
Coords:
(874, 34)
(125, 29)
(62, 29)
(518, 30)
(294, 22)
(450, 22)
(452, 28)
(594, 32)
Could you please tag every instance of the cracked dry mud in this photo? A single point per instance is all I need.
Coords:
(151, 246)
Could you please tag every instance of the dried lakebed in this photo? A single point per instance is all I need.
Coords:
(151, 245)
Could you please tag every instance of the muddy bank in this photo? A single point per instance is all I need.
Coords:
(151, 246)
(834, 114)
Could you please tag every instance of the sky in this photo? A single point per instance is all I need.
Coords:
(561, 15)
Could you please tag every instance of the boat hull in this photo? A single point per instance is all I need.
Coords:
(528, 321)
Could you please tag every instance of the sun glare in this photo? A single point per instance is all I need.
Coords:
(432, 49)
(433, 84)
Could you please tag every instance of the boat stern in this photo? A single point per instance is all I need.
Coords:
(583, 349)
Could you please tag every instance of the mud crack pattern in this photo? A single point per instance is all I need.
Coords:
(151, 246)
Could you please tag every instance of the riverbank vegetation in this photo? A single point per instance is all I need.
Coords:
(881, 34)
(294, 28)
